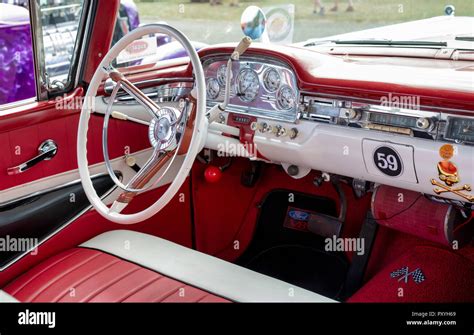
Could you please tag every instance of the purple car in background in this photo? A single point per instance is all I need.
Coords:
(59, 22)
(16, 57)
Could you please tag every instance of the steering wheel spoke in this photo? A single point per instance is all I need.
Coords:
(149, 170)
(171, 132)
(135, 92)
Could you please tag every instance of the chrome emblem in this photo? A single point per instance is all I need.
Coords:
(163, 130)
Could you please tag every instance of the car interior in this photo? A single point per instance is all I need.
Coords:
(148, 167)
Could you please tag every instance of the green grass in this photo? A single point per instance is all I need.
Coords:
(208, 24)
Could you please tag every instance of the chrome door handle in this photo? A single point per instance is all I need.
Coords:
(46, 151)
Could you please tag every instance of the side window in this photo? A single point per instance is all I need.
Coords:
(17, 76)
(57, 23)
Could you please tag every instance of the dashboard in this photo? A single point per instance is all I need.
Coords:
(292, 108)
(268, 89)
(394, 141)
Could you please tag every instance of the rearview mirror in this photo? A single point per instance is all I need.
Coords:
(253, 22)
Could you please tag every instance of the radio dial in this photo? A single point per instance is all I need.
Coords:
(423, 123)
(351, 114)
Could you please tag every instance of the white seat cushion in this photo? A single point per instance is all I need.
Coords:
(200, 270)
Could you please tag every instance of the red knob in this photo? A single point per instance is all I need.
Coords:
(212, 174)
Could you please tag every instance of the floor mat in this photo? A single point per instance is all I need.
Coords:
(422, 274)
(293, 255)
(306, 267)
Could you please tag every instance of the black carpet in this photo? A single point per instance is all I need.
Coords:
(297, 257)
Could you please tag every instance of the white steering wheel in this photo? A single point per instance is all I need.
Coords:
(176, 133)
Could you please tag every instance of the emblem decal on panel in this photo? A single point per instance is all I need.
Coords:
(388, 161)
(449, 176)
(404, 274)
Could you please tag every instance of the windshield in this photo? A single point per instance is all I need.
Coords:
(217, 21)
(303, 22)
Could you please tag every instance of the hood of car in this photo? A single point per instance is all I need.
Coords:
(435, 29)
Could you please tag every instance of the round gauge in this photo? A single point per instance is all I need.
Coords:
(213, 89)
(248, 85)
(286, 98)
(271, 80)
(221, 75)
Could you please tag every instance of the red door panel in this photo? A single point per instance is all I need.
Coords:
(22, 144)
(172, 223)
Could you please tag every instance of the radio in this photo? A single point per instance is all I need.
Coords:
(404, 121)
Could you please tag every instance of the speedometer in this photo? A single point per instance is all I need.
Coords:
(271, 80)
(248, 85)
(286, 98)
(213, 89)
(221, 75)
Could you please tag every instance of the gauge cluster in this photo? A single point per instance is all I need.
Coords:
(259, 88)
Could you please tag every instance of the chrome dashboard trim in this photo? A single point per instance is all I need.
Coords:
(162, 93)
(265, 105)
(109, 84)
(377, 102)
(333, 107)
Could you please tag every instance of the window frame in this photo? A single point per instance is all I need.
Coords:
(43, 90)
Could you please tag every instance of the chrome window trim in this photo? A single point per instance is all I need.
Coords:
(38, 49)
(43, 91)
(17, 104)
(85, 36)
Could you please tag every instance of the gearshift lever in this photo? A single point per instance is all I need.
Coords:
(235, 56)
(241, 48)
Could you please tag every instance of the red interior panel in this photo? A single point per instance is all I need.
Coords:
(227, 211)
(85, 275)
(20, 145)
(173, 223)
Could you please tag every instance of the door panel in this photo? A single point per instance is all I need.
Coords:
(22, 144)
(172, 223)
(39, 215)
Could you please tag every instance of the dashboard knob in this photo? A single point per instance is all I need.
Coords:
(293, 170)
(212, 174)
(293, 133)
(261, 127)
(279, 131)
(423, 123)
(350, 114)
